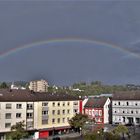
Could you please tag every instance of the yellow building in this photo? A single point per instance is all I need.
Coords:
(53, 115)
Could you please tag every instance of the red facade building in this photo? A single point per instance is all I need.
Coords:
(97, 108)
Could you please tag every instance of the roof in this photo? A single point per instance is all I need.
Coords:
(96, 102)
(7, 95)
(126, 95)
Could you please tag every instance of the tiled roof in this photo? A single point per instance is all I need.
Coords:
(7, 95)
(96, 102)
(126, 95)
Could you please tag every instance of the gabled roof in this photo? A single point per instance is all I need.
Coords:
(7, 95)
(126, 95)
(96, 102)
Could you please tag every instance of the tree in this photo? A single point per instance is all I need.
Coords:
(111, 136)
(18, 131)
(92, 136)
(3, 85)
(78, 121)
(121, 129)
(99, 83)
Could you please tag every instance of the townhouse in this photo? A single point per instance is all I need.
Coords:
(43, 113)
(126, 108)
(98, 109)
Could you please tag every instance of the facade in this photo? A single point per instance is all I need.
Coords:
(126, 108)
(97, 108)
(43, 114)
(39, 86)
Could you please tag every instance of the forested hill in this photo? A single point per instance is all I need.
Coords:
(81, 88)
(93, 88)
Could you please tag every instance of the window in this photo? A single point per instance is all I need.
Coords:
(44, 112)
(45, 121)
(63, 103)
(68, 111)
(68, 103)
(136, 104)
(118, 103)
(63, 111)
(8, 106)
(63, 120)
(53, 112)
(96, 113)
(127, 103)
(68, 119)
(75, 110)
(29, 115)
(58, 112)
(58, 120)
(58, 104)
(123, 111)
(100, 112)
(29, 106)
(8, 116)
(131, 111)
(7, 125)
(53, 103)
(19, 106)
(45, 104)
(18, 115)
(89, 112)
(75, 103)
(53, 120)
(29, 124)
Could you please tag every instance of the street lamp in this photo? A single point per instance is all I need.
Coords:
(80, 131)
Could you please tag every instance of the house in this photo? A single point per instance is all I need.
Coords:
(97, 108)
(126, 107)
(43, 113)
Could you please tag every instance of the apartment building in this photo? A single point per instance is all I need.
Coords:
(39, 86)
(126, 108)
(43, 113)
(98, 109)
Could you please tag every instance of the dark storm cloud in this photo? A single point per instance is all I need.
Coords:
(24, 22)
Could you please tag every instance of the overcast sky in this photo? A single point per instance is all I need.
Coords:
(111, 55)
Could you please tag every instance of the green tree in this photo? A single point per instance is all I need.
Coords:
(78, 121)
(111, 136)
(18, 131)
(96, 83)
(92, 136)
(3, 85)
(121, 129)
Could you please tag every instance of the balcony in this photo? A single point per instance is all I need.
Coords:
(125, 106)
(75, 107)
(44, 117)
(45, 108)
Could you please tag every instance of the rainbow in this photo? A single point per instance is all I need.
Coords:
(60, 40)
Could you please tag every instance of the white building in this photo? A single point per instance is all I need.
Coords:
(41, 112)
(17, 87)
(39, 85)
(126, 108)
